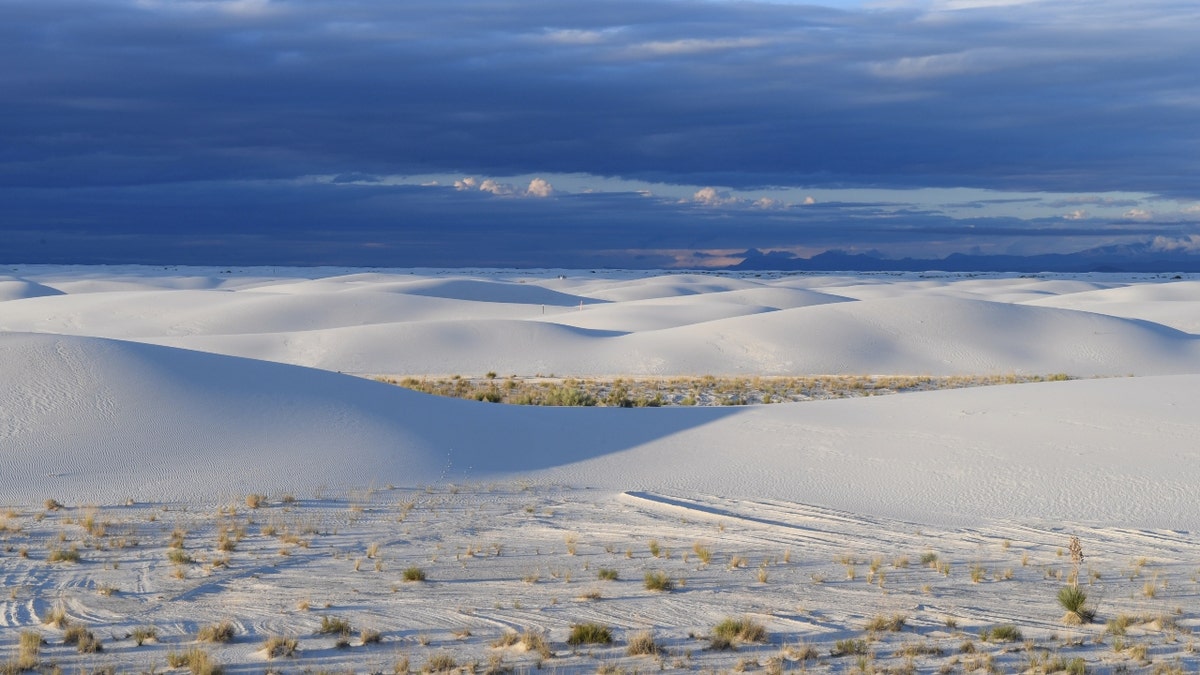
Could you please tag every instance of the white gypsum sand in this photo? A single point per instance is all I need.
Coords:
(511, 512)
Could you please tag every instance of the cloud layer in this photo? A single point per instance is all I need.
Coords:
(122, 114)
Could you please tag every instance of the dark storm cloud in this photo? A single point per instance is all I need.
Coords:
(182, 126)
(274, 222)
(1062, 95)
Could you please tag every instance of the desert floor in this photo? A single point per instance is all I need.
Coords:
(190, 453)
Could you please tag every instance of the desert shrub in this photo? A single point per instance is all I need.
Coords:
(1073, 599)
(178, 556)
(1002, 633)
(536, 642)
(256, 501)
(894, 623)
(143, 633)
(642, 644)
(53, 505)
(29, 647)
(568, 396)
(489, 395)
(57, 617)
(196, 660)
(742, 629)
(658, 581)
(216, 632)
(369, 636)
(334, 624)
(849, 647)
(589, 633)
(83, 639)
(277, 645)
(606, 574)
(507, 639)
(439, 663)
(63, 555)
(414, 574)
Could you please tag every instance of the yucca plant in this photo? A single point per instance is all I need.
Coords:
(1074, 600)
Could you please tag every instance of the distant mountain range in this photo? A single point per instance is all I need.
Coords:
(1140, 258)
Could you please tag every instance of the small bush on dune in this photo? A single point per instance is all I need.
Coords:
(589, 633)
(332, 624)
(28, 649)
(83, 639)
(643, 644)
(141, 634)
(1004, 633)
(894, 623)
(196, 660)
(414, 574)
(63, 555)
(658, 581)
(216, 632)
(849, 647)
(742, 629)
(57, 617)
(536, 642)
(439, 663)
(606, 574)
(277, 646)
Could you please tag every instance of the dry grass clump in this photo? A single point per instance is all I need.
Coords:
(70, 555)
(606, 574)
(589, 633)
(29, 648)
(84, 640)
(893, 624)
(413, 574)
(441, 662)
(1002, 633)
(143, 634)
(53, 505)
(334, 625)
(277, 645)
(529, 641)
(216, 632)
(733, 631)
(256, 501)
(658, 581)
(196, 660)
(57, 617)
(369, 636)
(643, 644)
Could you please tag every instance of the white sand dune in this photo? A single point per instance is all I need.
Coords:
(162, 424)
(19, 289)
(398, 324)
(813, 511)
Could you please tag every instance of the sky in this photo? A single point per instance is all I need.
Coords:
(614, 133)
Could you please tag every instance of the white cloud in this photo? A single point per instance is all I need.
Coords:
(1188, 244)
(467, 183)
(1137, 214)
(539, 187)
(809, 200)
(692, 46)
(570, 36)
(710, 196)
(768, 203)
(1077, 214)
(496, 188)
